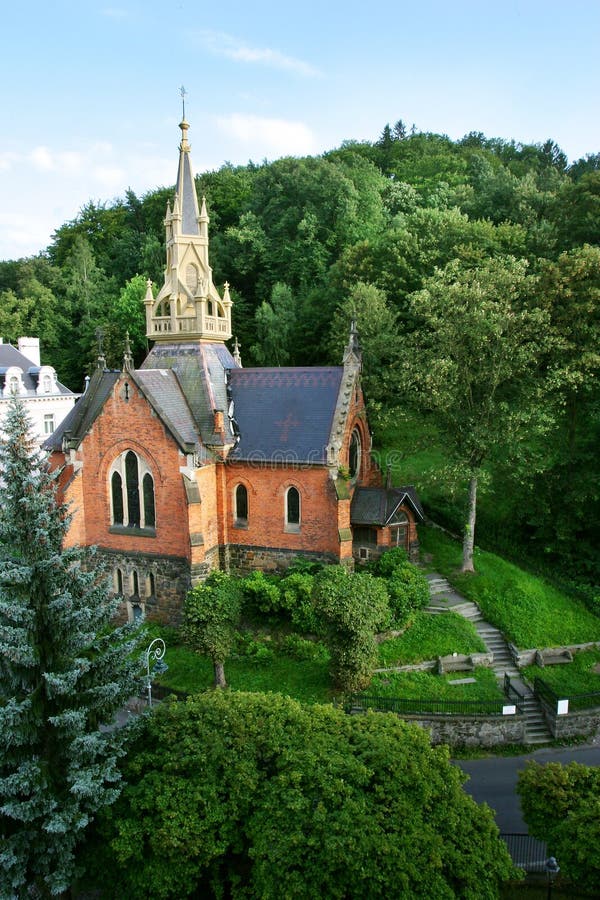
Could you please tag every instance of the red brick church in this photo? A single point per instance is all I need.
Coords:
(193, 462)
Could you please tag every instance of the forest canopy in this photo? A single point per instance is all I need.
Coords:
(368, 230)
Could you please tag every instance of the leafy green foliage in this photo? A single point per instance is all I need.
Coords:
(351, 608)
(211, 615)
(64, 671)
(529, 610)
(579, 677)
(261, 593)
(429, 636)
(254, 796)
(427, 686)
(561, 805)
(297, 600)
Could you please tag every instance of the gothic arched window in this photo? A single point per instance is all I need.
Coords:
(292, 509)
(240, 512)
(354, 454)
(130, 506)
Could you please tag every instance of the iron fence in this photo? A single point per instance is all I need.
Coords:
(526, 852)
(359, 703)
(576, 701)
(514, 693)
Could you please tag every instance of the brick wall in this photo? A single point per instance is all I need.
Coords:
(266, 486)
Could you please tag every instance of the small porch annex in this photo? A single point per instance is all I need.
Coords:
(384, 517)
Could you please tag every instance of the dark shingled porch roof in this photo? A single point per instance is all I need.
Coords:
(376, 506)
(284, 414)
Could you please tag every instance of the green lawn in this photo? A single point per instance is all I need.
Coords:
(431, 636)
(526, 608)
(306, 680)
(425, 685)
(572, 678)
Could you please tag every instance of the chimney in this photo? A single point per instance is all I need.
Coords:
(30, 347)
(219, 422)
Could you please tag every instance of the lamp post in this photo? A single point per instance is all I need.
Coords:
(552, 870)
(155, 651)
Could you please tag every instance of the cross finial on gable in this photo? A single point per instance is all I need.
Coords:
(101, 361)
(127, 356)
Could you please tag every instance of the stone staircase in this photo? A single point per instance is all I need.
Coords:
(445, 599)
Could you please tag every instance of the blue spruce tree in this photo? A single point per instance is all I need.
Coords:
(64, 671)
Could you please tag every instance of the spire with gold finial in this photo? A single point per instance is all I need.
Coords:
(188, 305)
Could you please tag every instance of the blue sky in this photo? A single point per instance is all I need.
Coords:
(90, 88)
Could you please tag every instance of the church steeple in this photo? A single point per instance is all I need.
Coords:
(188, 306)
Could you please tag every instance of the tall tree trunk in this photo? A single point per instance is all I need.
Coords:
(469, 538)
(219, 675)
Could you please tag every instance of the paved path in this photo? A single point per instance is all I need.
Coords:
(445, 599)
(494, 780)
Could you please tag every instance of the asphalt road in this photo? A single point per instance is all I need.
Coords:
(494, 780)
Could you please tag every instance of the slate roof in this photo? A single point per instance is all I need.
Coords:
(163, 390)
(284, 414)
(81, 418)
(376, 506)
(10, 356)
(200, 367)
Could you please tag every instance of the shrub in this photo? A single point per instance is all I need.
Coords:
(408, 591)
(301, 649)
(561, 805)
(248, 646)
(351, 608)
(296, 600)
(389, 561)
(261, 593)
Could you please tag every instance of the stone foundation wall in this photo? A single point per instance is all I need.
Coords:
(474, 731)
(242, 559)
(172, 581)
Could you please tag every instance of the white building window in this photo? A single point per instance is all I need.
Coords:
(49, 423)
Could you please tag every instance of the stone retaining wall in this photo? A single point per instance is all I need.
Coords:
(524, 658)
(579, 723)
(473, 731)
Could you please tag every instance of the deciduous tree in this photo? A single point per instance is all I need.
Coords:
(251, 795)
(472, 365)
(212, 612)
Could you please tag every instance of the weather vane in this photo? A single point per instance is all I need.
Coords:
(183, 92)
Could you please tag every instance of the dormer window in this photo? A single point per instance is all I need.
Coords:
(46, 381)
(13, 382)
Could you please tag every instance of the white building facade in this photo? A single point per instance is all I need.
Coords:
(21, 373)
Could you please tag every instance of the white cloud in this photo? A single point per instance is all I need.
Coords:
(269, 137)
(231, 47)
(6, 160)
(42, 159)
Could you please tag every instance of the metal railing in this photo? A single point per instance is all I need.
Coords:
(526, 852)
(576, 701)
(358, 703)
(513, 693)
(584, 701)
(544, 692)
